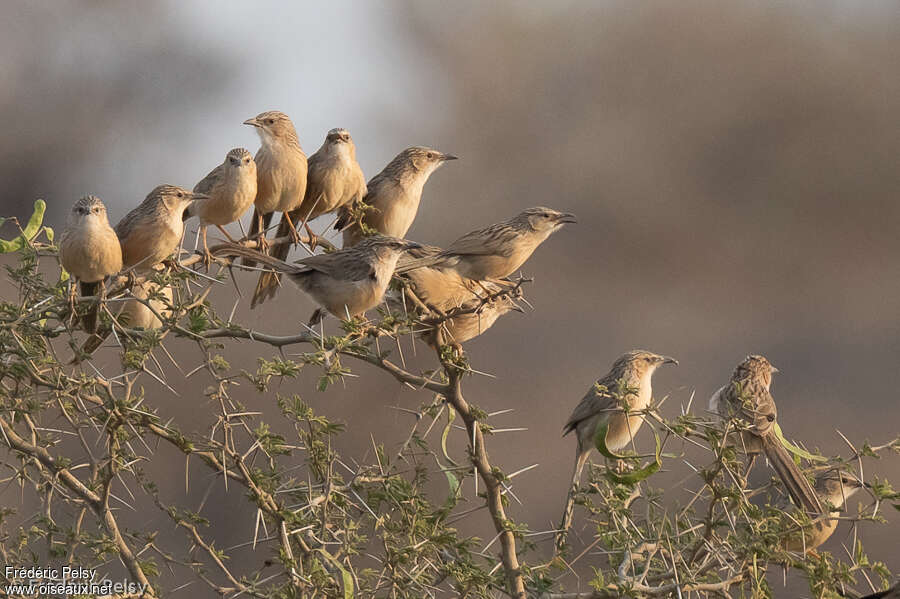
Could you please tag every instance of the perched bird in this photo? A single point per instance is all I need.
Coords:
(393, 195)
(346, 282)
(747, 398)
(280, 173)
(441, 290)
(834, 488)
(151, 232)
(463, 327)
(89, 250)
(334, 180)
(499, 250)
(135, 314)
(628, 382)
(231, 188)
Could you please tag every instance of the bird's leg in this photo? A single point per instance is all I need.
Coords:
(295, 236)
(313, 238)
(207, 257)
(263, 244)
(72, 292)
(750, 461)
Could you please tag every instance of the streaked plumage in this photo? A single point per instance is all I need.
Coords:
(833, 488)
(499, 250)
(89, 250)
(747, 397)
(334, 180)
(346, 282)
(152, 232)
(394, 194)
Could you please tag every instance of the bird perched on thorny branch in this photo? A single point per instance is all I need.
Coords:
(499, 250)
(89, 250)
(152, 232)
(347, 282)
(617, 400)
(746, 399)
(231, 188)
(393, 196)
(334, 180)
(280, 173)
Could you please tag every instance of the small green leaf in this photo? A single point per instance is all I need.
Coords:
(897, 506)
(453, 481)
(636, 476)
(451, 416)
(797, 450)
(30, 230)
(600, 442)
(48, 231)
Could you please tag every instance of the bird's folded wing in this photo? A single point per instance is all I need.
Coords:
(592, 403)
(210, 181)
(496, 239)
(339, 266)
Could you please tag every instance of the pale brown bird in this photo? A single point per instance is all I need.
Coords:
(152, 232)
(89, 250)
(347, 282)
(468, 325)
(231, 188)
(440, 289)
(280, 173)
(393, 195)
(135, 314)
(833, 488)
(334, 180)
(628, 382)
(499, 250)
(747, 398)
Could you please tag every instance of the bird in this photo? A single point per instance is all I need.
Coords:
(334, 180)
(627, 382)
(231, 188)
(497, 251)
(346, 282)
(747, 397)
(833, 488)
(152, 232)
(393, 196)
(89, 250)
(280, 173)
(134, 313)
(475, 319)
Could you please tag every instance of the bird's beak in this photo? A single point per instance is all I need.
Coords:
(252, 122)
(412, 245)
(517, 308)
(198, 196)
(865, 484)
(567, 217)
(775, 370)
(669, 360)
(446, 157)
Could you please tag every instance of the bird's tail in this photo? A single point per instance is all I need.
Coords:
(256, 231)
(790, 474)
(569, 510)
(234, 250)
(269, 282)
(89, 320)
(90, 345)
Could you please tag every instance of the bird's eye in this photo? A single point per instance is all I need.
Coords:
(431, 155)
(180, 194)
(246, 161)
(270, 121)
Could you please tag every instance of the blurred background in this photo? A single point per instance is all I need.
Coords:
(734, 168)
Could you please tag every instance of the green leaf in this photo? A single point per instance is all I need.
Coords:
(346, 577)
(453, 481)
(798, 451)
(31, 229)
(600, 442)
(635, 476)
(897, 506)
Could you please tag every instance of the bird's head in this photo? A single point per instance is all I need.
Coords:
(639, 364)
(544, 220)
(175, 199)
(89, 207)
(273, 125)
(755, 367)
(422, 160)
(239, 158)
(836, 486)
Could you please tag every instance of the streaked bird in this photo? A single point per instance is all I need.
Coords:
(231, 188)
(152, 232)
(334, 180)
(628, 382)
(89, 250)
(393, 195)
(499, 250)
(747, 399)
(347, 282)
(280, 173)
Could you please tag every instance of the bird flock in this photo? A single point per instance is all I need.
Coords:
(469, 280)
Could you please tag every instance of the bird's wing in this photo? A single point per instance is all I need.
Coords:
(369, 196)
(210, 181)
(341, 266)
(496, 239)
(763, 414)
(594, 402)
(715, 405)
